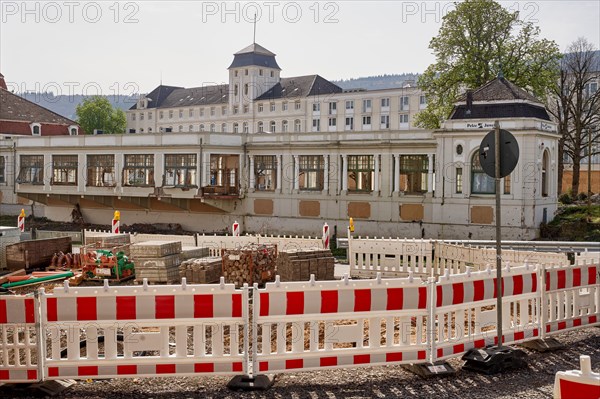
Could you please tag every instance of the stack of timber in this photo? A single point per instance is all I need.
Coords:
(250, 264)
(157, 261)
(298, 265)
(35, 254)
(204, 270)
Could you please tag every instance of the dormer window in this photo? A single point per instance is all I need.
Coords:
(73, 130)
(36, 129)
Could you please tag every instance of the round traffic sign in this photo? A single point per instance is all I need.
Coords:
(509, 153)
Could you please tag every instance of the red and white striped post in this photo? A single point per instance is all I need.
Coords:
(116, 222)
(325, 236)
(235, 229)
(21, 221)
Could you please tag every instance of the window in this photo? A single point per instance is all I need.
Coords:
(284, 106)
(73, 131)
(180, 170)
(235, 73)
(297, 105)
(404, 103)
(297, 125)
(31, 169)
(2, 170)
(403, 118)
(223, 110)
(272, 127)
(366, 121)
(361, 172)
(180, 113)
(191, 113)
(312, 172)
(161, 115)
(385, 122)
(413, 173)
(236, 127)
(385, 103)
(101, 171)
(261, 107)
(180, 128)
(202, 127)
(246, 109)
(213, 128)
(316, 125)
(235, 109)
(246, 72)
(589, 89)
(272, 74)
(141, 116)
(138, 170)
(350, 123)
(261, 127)
(171, 114)
(366, 105)
(332, 108)
(246, 89)
(459, 181)
(202, 112)
(150, 130)
(149, 115)
(272, 107)
(284, 126)
(235, 90)
(316, 107)
(191, 128)
(350, 105)
(212, 111)
(224, 173)
(245, 127)
(36, 129)
(422, 102)
(545, 183)
(133, 117)
(332, 122)
(224, 127)
(260, 72)
(265, 170)
(64, 170)
(480, 182)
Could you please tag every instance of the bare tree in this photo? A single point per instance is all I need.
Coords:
(576, 106)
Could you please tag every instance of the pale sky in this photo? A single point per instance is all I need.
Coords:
(124, 47)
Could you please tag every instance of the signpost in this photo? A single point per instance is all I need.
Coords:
(498, 156)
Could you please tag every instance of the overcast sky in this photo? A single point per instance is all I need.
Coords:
(124, 47)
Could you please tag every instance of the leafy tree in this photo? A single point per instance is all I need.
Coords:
(476, 40)
(97, 113)
(576, 108)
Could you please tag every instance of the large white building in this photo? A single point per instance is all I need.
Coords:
(286, 154)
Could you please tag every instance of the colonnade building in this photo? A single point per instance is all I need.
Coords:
(286, 154)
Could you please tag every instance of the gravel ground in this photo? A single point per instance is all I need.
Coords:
(536, 381)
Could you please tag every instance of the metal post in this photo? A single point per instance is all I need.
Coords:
(498, 237)
(589, 174)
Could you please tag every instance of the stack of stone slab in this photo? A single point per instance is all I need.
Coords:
(298, 265)
(204, 270)
(194, 252)
(99, 240)
(158, 261)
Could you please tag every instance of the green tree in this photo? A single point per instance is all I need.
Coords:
(476, 40)
(97, 113)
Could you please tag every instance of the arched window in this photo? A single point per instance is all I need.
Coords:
(261, 127)
(180, 128)
(245, 127)
(284, 126)
(236, 127)
(480, 182)
(36, 129)
(545, 174)
(297, 125)
(202, 127)
(224, 127)
(191, 128)
(272, 127)
(212, 127)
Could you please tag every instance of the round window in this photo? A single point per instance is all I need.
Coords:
(459, 149)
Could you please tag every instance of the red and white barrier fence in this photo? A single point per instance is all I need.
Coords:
(578, 384)
(143, 331)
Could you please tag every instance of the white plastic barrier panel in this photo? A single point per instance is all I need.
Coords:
(578, 384)
(465, 310)
(572, 297)
(311, 325)
(146, 331)
(19, 346)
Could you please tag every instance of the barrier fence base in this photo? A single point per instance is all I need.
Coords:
(543, 345)
(493, 360)
(427, 370)
(259, 382)
(44, 388)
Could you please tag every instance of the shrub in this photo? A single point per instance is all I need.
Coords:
(565, 199)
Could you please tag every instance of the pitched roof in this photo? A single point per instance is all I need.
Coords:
(204, 95)
(158, 95)
(16, 108)
(300, 86)
(254, 54)
(500, 89)
(495, 110)
(255, 48)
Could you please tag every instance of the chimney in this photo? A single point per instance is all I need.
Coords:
(2, 82)
(469, 101)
